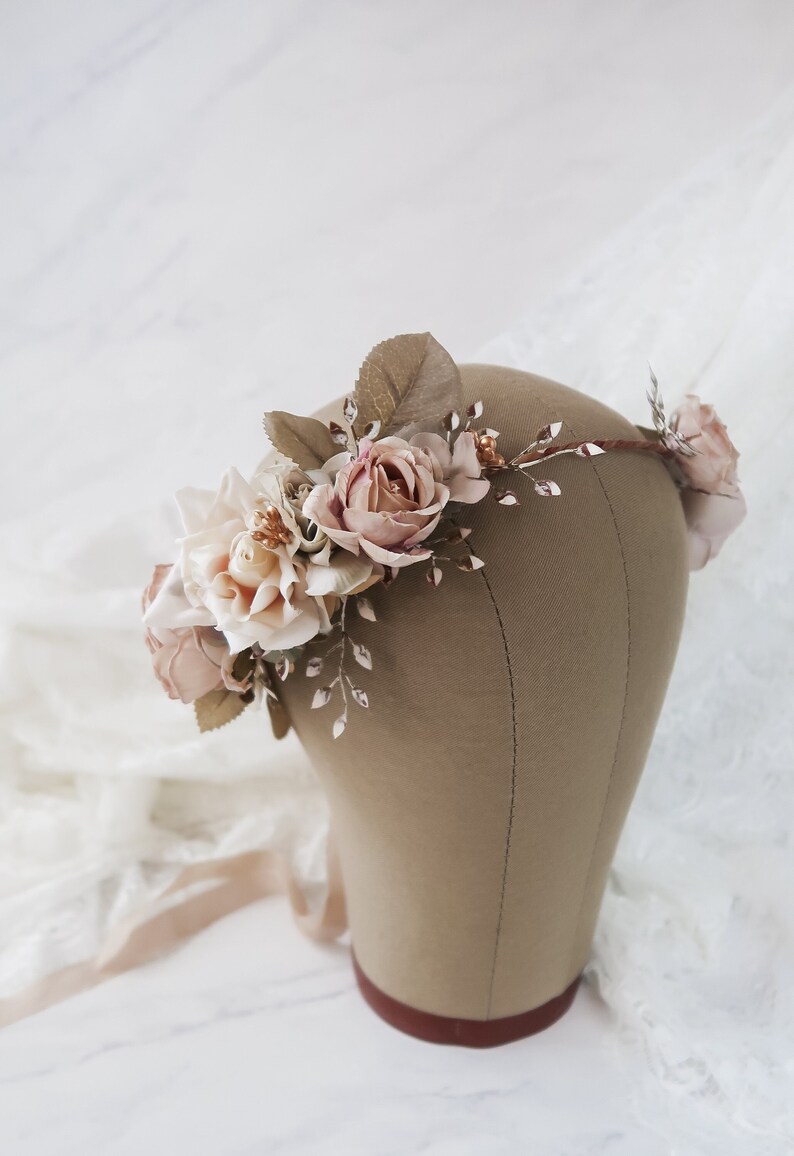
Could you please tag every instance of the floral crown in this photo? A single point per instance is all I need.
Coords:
(266, 567)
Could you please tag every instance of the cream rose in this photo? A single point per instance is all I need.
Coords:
(389, 499)
(231, 575)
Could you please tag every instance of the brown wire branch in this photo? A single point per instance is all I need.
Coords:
(602, 443)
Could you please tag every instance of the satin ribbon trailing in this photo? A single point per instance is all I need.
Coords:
(161, 925)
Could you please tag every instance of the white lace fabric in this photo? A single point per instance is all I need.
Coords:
(108, 791)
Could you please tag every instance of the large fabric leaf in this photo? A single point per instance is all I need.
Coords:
(217, 708)
(304, 440)
(407, 379)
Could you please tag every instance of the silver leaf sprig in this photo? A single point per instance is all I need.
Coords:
(455, 536)
(342, 680)
(537, 453)
(666, 433)
(345, 436)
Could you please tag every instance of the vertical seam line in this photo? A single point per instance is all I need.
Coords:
(622, 715)
(512, 793)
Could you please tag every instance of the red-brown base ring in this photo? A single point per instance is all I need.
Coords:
(437, 1029)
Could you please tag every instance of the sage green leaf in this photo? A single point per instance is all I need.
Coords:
(407, 379)
(304, 440)
(291, 655)
(217, 708)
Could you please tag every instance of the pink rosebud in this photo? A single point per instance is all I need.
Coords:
(712, 468)
(189, 661)
(713, 503)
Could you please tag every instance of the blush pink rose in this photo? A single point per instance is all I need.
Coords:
(189, 661)
(710, 519)
(460, 468)
(389, 499)
(713, 503)
(712, 468)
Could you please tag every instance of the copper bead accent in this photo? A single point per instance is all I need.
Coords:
(487, 453)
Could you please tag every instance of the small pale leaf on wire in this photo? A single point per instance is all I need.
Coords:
(656, 404)
(362, 656)
(547, 489)
(506, 497)
(372, 430)
(589, 450)
(350, 410)
(338, 434)
(313, 667)
(340, 725)
(491, 433)
(434, 575)
(359, 696)
(283, 667)
(321, 697)
(472, 562)
(669, 436)
(459, 534)
(364, 607)
(474, 410)
(451, 420)
(549, 432)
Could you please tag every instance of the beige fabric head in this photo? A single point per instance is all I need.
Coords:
(478, 802)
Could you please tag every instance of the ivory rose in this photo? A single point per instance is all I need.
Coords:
(251, 591)
(389, 499)
(189, 661)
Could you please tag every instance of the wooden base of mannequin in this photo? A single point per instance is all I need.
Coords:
(436, 1029)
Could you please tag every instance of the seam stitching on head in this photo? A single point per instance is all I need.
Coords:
(512, 793)
(622, 715)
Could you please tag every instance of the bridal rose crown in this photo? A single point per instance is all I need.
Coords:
(265, 567)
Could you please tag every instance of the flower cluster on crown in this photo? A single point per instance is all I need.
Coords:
(267, 566)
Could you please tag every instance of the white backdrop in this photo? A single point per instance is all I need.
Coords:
(207, 212)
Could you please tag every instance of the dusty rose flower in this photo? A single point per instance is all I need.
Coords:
(460, 467)
(389, 499)
(710, 519)
(712, 468)
(189, 661)
(713, 503)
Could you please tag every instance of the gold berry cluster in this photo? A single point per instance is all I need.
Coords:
(270, 529)
(487, 453)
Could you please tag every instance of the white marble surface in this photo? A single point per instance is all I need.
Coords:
(252, 1040)
(199, 193)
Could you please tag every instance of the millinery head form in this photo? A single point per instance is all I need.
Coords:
(464, 588)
